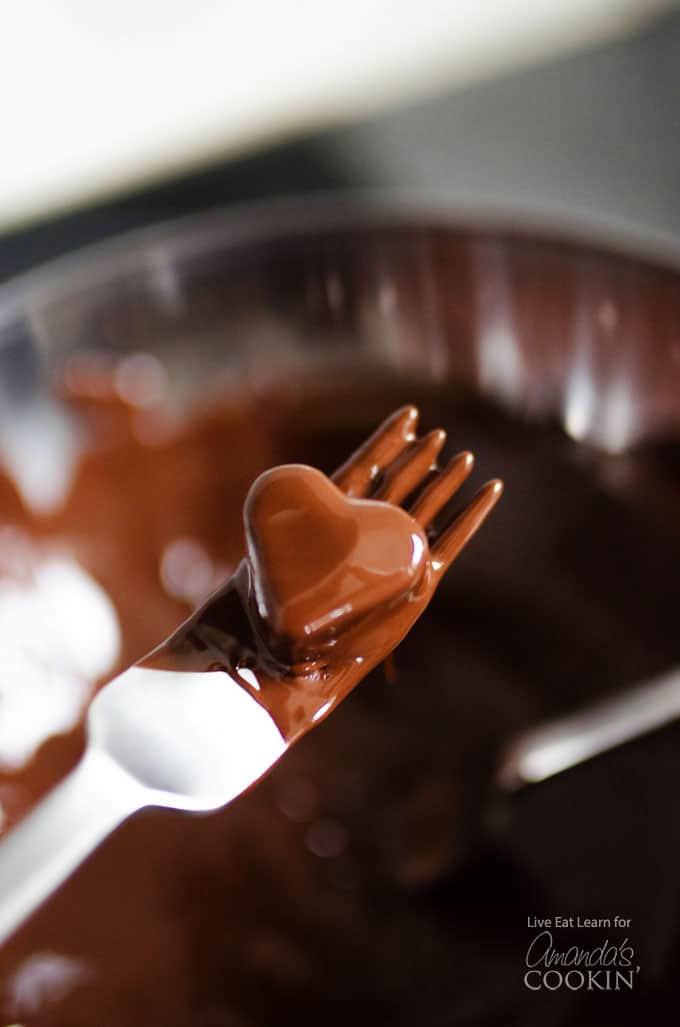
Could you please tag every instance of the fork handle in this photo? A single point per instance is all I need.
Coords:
(67, 825)
(564, 743)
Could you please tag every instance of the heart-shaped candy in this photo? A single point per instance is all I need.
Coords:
(321, 560)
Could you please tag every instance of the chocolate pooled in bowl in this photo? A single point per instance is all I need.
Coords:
(355, 884)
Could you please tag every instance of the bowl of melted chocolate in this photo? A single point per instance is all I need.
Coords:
(378, 875)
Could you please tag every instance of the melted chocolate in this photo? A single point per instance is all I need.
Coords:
(337, 890)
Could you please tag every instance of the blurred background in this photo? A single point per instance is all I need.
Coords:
(117, 118)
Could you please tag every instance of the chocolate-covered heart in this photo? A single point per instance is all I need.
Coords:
(320, 559)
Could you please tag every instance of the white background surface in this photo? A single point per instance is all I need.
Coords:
(97, 97)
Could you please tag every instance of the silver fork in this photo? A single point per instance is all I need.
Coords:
(193, 741)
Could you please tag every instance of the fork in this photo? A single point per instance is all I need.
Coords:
(189, 740)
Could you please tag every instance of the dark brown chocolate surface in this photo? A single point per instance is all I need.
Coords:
(353, 886)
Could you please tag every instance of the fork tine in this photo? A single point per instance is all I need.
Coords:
(408, 470)
(440, 490)
(391, 438)
(460, 531)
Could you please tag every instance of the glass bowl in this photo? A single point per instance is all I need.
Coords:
(365, 881)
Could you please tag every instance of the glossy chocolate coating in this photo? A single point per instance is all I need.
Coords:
(322, 560)
(334, 579)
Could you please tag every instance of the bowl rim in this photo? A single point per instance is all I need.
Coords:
(297, 216)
